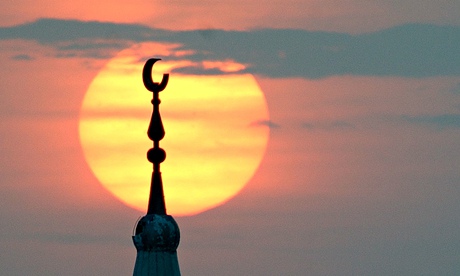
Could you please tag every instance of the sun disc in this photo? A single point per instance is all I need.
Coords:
(213, 146)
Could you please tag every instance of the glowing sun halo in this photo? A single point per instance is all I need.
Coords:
(213, 143)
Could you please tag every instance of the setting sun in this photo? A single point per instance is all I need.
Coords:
(213, 141)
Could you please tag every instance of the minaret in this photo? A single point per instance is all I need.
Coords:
(157, 234)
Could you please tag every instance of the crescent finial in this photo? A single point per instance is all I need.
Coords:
(147, 77)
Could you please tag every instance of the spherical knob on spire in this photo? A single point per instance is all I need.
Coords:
(156, 155)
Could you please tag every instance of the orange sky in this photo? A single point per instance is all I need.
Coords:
(360, 176)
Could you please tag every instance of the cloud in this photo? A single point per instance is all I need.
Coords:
(455, 89)
(268, 123)
(22, 57)
(413, 50)
(197, 70)
(49, 31)
(73, 238)
(439, 122)
(212, 68)
(332, 125)
(90, 48)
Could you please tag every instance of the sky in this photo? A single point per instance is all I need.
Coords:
(361, 172)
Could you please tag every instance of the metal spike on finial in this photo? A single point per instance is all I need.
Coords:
(156, 132)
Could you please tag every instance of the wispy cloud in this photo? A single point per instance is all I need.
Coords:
(23, 57)
(50, 31)
(413, 50)
(439, 122)
(331, 125)
(73, 238)
(455, 89)
(268, 123)
(213, 68)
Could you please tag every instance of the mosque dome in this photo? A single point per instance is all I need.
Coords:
(157, 233)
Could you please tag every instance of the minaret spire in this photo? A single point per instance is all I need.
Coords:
(156, 132)
(157, 234)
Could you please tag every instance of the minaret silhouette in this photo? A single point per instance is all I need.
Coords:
(157, 235)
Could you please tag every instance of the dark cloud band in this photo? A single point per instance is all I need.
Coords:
(413, 50)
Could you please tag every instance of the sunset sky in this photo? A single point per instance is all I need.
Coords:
(361, 174)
